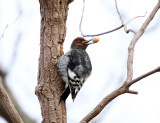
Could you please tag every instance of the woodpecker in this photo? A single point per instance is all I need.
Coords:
(75, 67)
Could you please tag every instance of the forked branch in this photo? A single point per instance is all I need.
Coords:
(115, 29)
(123, 89)
(125, 24)
(129, 81)
(80, 26)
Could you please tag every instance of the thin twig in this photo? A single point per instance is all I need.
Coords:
(119, 13)
(104, 32)
(7, 27)
(80, 25)
(135, 18)
(4, 31)
(14, 52)
(125, 25)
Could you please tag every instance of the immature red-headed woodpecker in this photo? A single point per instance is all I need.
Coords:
(75, 67)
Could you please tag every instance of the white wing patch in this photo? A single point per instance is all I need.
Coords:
(71, 74)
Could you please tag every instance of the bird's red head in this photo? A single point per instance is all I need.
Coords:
(82, 43)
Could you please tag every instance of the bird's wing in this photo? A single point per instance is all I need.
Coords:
(75, 72)
(62, 67)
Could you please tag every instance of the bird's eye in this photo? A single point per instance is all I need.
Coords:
(80, 40)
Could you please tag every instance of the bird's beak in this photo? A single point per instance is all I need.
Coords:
(92, 41)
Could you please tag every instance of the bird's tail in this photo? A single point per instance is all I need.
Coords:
(64, 95)
(73, 93)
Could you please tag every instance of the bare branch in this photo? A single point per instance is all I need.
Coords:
(14, 52)
(9, 106)
(135, 39)
(123, 24)
(136, 17)
(80, 26)
(125, 87)
(3, 32)
(144, 76)
(119, 13)
(2, 35)
(102, 104)
(104, 32)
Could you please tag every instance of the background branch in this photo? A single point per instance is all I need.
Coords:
(120, 17)
(115, 29)
(125, 87)
(80, 26)
(135, 39)
(144, 75)
(9, 106)
(3, 76)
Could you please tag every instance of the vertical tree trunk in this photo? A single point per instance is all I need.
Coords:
(50, 86)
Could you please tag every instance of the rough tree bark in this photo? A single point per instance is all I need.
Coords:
(50, 86)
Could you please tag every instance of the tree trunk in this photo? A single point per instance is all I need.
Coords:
(50, 86)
